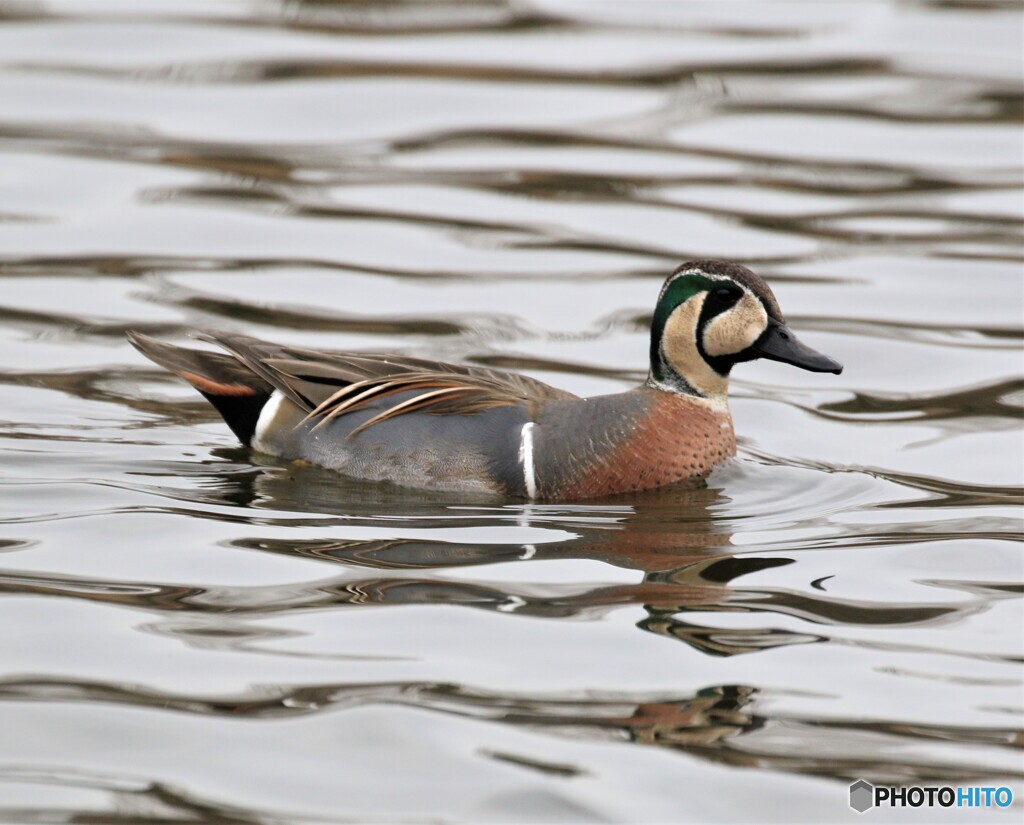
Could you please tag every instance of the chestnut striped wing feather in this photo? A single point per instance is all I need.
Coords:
(330, 384)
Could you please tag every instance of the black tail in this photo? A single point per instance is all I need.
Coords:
(236, 391)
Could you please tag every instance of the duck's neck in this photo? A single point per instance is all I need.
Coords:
(711, 389)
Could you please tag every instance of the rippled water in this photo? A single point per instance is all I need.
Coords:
(193, 634)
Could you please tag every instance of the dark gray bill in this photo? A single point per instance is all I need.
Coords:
(780, 344)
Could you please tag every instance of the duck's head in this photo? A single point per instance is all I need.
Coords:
(712, 315)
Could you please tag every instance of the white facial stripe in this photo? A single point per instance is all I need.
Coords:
(737, 328)
(684, 273)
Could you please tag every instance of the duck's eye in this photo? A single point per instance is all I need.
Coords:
(723, 293)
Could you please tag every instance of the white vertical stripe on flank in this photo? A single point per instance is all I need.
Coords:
(266, 421)
(526, 457)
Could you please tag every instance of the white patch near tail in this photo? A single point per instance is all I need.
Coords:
(526, 459)
(264, 424)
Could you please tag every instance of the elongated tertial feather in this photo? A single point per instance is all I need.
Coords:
(330, 384)
(418, 401)
(375, 388)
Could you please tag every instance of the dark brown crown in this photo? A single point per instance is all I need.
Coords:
(741, 275)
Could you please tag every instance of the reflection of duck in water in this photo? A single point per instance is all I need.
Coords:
(687, 570)
(686, 562)
(426, 424)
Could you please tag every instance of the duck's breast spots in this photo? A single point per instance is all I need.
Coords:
(674, 439)
(680, 439)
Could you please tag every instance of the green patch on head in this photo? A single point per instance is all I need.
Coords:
(678, 292)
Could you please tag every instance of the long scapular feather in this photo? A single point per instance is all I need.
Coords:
(407, 406)
(330, 412)
(355, 386)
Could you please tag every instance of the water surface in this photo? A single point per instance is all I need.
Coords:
(194, 633)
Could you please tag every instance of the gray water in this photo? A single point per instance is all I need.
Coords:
(193, 634)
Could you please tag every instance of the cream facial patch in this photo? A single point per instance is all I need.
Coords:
(679, 347)
(737, 328)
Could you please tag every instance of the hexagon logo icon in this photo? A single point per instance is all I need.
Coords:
(862, 796)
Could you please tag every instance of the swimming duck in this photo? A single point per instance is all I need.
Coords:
(429, 424)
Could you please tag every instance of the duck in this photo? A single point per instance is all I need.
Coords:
(470, 429)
